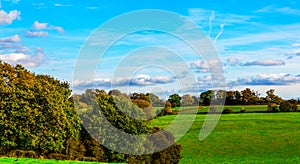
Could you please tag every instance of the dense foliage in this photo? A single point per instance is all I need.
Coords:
(38, 119)
(35, 111)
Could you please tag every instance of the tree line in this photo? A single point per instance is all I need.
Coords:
(39, 118)
(243, 97)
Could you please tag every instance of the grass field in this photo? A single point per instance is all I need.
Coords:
(242, 138)
(234, 108)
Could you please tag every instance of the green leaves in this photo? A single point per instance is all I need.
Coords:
(35, 110)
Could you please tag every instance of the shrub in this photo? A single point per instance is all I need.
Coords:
(243, 110)
(295, 107)
(227, 111)
(168, 155)
(22, 154)
(273, 107)
(285, 106)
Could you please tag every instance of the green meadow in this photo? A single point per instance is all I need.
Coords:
(234, 108)
(242, 138)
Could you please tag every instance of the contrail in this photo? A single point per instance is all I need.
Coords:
(211, 18)
(220, 33)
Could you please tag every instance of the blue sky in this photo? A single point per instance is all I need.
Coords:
(257, 42)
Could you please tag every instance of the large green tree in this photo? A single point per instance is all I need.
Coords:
(205, 97)
(175, 100)
(35, 111)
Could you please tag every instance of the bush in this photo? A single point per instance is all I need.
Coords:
(285, 106)
(295, 107)
(243, 110)
(22, 154)
(169, 155)
(227, 111)
(273, 107)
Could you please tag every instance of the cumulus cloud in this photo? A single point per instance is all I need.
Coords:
(40, 26)
(268, 79)
(14, 38)
(206, 66)
(232, 61)
(46, 26)
(11, 42)
(36, 33)
(292, 55)
(144, 80)
(138, 80)
(200, 65)
(22, 49)
(57, 28)
(24, 59)
(264, 62)
(8, 18)
(182, 75)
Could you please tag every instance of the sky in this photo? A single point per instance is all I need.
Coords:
(258, 44)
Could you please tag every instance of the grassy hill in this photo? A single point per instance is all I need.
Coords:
(242, 138)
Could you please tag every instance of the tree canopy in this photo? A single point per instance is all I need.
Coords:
(35, 111)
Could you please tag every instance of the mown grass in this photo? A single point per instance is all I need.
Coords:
(234, 108)
(242, 138)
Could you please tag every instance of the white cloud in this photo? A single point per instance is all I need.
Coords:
(92, 8)
(62, 5)
(138, 80)
(296, 45)
(22, 49)
(36, 33)
(57, 28)
(264, 62)
(143, 80)
(268, 79)
(14, 38)
(204, 16)
(206, 66)
(200, 65)
(24, 59)
(45, 26)
(14, 1)
(8, 18)
(40, 26)
(232, 61)
(282, 10)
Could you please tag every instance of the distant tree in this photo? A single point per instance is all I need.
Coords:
(168, 105)
(141, 103)
(123, 117)
(142, 100)
(295, 107)
(175, 100)
(205, 97)
(272, 98)
(249, 97)
(196, 100)
(285, 106)
(154, 99)
(187, 100)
